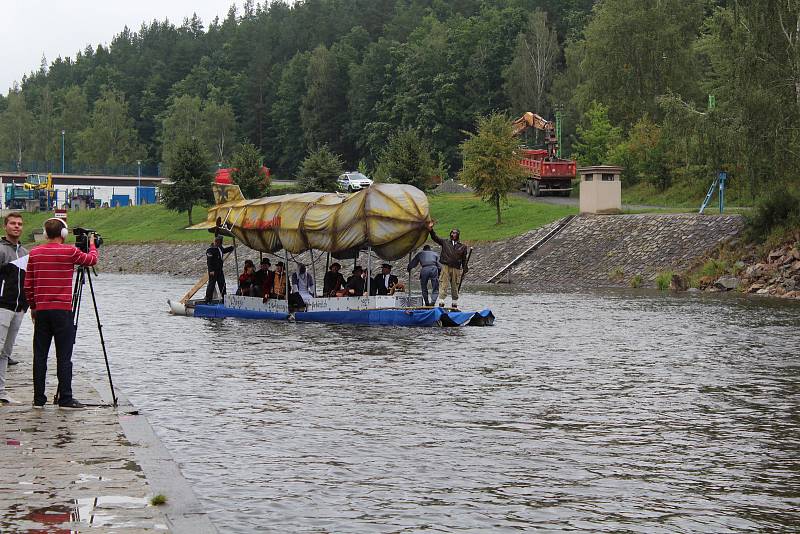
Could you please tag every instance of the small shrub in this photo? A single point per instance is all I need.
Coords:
(663, 280)
(636, 281)
(616, 274)
(713, 268)
(776, 211)
(320, 170)
(158, 500)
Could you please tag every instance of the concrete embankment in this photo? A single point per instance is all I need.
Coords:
(591, 251)
(92, 469)
(598, 251)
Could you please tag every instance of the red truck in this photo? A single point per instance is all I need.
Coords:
(547, 173)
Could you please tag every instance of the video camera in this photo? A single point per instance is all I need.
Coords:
(82, 238)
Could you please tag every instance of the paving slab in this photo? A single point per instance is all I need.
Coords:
(94, 469)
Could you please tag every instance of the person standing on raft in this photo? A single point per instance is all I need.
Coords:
(215, 255)
(454, 263)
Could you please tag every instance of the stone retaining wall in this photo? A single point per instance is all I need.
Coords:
(594, 251)
(584, 254)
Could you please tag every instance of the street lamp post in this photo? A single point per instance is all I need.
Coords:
(62, 151)
(139, 182)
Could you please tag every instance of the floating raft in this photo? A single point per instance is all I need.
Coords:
(346, 310)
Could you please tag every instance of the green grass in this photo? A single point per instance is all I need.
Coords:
(686, 195)
(663, 280)
(154, 223)
(158, 500)
(476, 219)
(136, 224)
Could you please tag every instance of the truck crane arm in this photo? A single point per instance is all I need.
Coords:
(531, 120)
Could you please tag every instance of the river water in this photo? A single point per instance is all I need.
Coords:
(611, 411)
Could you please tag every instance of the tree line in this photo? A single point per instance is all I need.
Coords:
(674, 90)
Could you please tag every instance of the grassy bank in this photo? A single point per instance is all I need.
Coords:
(476, 219)
(139, 224)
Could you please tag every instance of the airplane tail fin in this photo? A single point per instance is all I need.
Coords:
(226, 193)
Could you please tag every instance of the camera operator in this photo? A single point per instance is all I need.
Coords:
(48, 287)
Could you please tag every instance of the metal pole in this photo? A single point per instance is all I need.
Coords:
(286, 274)
(408, 291)
(139, 182)
(369, 270)
(62, 151)
(236, 259)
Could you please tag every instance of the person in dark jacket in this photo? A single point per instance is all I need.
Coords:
(454, 263)
(215, 255)
(263, 279)
(13, 304)
(333, 281)
(356, 285)
(383, 282)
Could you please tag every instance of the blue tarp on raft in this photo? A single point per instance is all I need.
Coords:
(391, 317)
(418, 317)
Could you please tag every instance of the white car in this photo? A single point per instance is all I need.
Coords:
(353, 181)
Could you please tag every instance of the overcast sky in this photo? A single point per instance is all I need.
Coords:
(31, 28)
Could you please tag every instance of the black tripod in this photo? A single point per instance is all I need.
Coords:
(84, 273)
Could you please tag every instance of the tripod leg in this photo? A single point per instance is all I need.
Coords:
(102, 340)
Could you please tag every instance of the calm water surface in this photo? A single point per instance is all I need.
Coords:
(593, 412)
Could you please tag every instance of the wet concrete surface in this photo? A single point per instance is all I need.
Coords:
(72, 470)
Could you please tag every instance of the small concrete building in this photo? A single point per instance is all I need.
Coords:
(600, 189)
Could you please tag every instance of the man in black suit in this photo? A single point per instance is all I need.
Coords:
(384, 281)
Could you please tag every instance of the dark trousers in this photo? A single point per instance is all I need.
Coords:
(219, 279)
(50, 325)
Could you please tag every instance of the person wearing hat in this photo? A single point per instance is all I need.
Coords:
(454, 263)
(333, 281)
(383, 283)
(278, 288)
(356, 285)
(263, 278)
(215, 255)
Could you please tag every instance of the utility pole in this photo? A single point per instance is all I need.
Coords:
(139, 182)
(559, 116)
(62, 150)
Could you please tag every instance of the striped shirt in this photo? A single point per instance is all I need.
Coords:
(48, 280)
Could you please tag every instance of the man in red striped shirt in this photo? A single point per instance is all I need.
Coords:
(48, 288)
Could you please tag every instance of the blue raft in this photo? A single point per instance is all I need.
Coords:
(384, 317)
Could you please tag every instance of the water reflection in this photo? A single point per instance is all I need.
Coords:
(607, 411)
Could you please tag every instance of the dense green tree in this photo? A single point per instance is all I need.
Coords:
(247, 171)
(219, 125)
(320, 170)
(643, 155)
(73, 116)
(407, 159)
(109, 138)
(634, 51)
(491, 162)
(289, 142)
(17, 128)
(530, 73)
(183, 118)
(324, 107)
(189, 167)
(596, 136)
